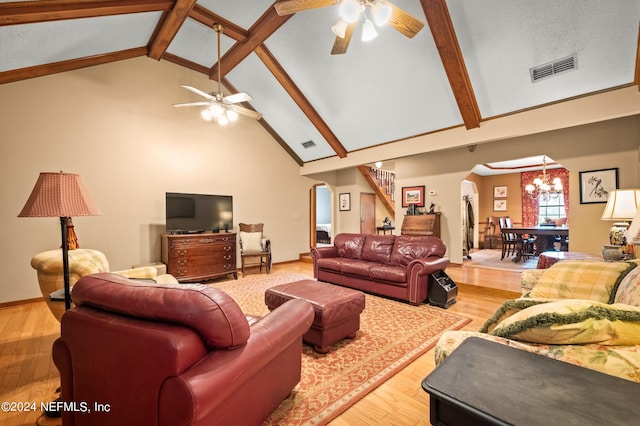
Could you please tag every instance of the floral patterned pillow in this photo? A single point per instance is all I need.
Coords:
(629, 289)
(573, 321)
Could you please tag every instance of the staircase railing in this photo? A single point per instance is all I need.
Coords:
(383, 184)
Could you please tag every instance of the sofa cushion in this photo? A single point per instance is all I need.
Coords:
(356, 267)
(377, 248)
(389, 273)
(581, 279)
(349, 245)
(407, 248)
(208, 311)
(331, 263)
(573, 321)
(629, 289)
(620, 361)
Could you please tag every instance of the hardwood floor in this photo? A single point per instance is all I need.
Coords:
(27, 332)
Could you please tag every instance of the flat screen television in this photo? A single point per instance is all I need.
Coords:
(194, 213)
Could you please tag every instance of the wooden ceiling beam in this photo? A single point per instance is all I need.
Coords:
(56, 10)
(303, 103)
(171, 23)
(446, 41)
(208, 18)
(261, 30)
(73, 64)
(636, 79)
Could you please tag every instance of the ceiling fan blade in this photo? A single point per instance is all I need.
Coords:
(341, 44)
(287, 7)
(199, 92)
(237, 98)
(405, 23)
(203, 103)
(246, 111)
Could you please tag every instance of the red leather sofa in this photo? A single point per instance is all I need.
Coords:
(389, 265)
(137, 353)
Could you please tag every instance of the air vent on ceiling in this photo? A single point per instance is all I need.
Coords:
(308, 144)
(553, 68)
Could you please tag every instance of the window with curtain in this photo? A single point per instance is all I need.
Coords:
(533, 212)
(552, 208)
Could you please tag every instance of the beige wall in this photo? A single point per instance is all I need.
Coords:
(486, 185)
(115, 125)
(596, 146)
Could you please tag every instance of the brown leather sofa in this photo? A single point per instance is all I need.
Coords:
(139, 353)
(389, 265)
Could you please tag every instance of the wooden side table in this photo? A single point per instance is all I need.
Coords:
(384, 229)
(486, 383)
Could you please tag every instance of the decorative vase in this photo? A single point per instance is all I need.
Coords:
(612, 253)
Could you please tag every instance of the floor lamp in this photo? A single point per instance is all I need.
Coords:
(61, 195)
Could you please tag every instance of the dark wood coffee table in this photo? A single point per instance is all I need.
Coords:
(486, 383)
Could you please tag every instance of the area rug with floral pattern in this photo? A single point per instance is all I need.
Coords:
(392, 334)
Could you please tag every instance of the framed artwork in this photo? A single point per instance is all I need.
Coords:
(413, 196)
(344, 201)
(595, 185)
(499, 205)
(499, 192)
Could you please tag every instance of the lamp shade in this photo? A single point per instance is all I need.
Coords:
(622, 204)
(59, 195)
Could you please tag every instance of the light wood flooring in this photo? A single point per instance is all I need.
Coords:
(27, 332)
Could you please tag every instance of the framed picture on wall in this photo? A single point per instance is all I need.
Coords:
(413, 196)
(344, 201)
(499, 192)
(499, 205)
(595, 185)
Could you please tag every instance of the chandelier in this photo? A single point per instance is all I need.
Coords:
(543, 186)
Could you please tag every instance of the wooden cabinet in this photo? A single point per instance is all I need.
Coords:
(199, 257)
(423, 224)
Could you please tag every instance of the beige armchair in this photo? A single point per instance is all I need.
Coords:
(82, 262)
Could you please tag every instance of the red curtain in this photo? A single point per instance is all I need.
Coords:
(530, 206)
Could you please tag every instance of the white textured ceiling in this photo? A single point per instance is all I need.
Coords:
(389, 89)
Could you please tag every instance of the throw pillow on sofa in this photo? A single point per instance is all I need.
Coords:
(573, 321)
(629, 289)
(581, 279)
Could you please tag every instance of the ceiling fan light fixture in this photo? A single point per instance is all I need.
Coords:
(368, 31)
(206, 114)
(340, 28)
(381, 13)
(223, 120)
(350, 10)
(232, 115)
(216, 110)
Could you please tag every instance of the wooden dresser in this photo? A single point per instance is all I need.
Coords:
(422, 224)
(196, 257)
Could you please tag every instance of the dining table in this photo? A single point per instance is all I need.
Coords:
(545, 236)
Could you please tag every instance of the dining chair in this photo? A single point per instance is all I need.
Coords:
(509, 240)
(253, 244)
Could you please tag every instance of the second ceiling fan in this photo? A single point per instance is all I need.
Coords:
(351, 11)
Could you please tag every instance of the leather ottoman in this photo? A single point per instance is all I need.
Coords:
(337, 310)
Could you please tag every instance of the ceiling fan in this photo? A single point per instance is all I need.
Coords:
(220, 108)
(351, 11)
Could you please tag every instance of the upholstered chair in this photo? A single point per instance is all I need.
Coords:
(187, 355)
(82, 262)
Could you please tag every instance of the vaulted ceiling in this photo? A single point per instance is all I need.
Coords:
(471, 62)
